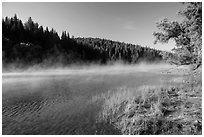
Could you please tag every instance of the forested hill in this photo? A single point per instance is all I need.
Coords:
(30, 43)
(115, 50)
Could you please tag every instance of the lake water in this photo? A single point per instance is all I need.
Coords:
(58, 102)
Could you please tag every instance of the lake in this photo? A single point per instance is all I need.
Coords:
(59, 101)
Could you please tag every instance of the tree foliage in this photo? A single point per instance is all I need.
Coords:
(114, 50)
(30, 43)
(187, 34)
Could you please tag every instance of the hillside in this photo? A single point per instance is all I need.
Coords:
(30, 44)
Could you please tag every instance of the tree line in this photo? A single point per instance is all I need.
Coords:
(115, 50)
(30, 43)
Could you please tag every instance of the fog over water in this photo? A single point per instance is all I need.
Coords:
(83, 79)
(90, 70)
(121, 74)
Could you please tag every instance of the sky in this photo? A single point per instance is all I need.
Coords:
(119, 21)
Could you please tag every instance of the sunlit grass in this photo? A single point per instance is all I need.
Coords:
(174, 108)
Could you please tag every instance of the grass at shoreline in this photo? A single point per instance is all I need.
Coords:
(173, 108)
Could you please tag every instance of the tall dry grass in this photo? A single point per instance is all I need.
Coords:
(174, 108)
